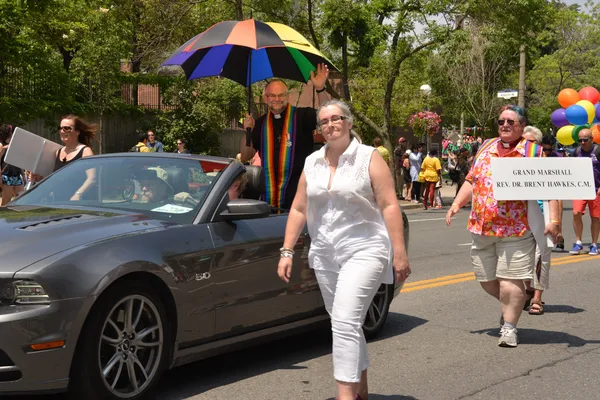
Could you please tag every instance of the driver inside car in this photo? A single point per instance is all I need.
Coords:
(154, 191)
(234, 191)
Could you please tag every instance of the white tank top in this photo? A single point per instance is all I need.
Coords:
(344, 219)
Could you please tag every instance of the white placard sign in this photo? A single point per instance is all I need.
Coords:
(534, 178)
(32, 152)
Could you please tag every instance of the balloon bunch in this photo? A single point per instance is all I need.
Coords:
(579, 110)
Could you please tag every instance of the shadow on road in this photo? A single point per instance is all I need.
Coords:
(196, 378)
(398, 324)
(193, 379)
(374, 396)
(561, 308)
(538, 336)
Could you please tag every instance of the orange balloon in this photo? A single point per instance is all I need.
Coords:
(568, 97)
(595, 133)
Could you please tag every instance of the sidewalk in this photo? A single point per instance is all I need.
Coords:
(448, 193)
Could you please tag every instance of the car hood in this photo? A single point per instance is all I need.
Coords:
(29, 233)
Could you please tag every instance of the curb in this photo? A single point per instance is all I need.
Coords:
(407, 205)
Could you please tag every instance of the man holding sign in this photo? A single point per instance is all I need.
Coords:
(503, 248)
(587, 148)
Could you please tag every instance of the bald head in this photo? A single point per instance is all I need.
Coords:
(585, 139)
(275, 96)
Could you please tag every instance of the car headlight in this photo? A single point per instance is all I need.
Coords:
(22, 292)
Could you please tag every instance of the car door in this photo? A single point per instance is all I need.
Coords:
(248, 293)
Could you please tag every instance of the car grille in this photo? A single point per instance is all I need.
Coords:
(8, 371)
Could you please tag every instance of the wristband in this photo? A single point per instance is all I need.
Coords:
(555, 221)
(79, 193)
(286, 254)
(321, 90)
(286, 250)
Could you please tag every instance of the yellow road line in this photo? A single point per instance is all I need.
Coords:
(470, 276)
(441, 278)
(438, 284)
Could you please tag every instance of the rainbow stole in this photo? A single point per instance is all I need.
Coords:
(277, 176)
(531, 149)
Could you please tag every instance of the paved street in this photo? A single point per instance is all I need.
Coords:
(440, 341)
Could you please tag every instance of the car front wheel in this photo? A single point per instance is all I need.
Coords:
(124, 346)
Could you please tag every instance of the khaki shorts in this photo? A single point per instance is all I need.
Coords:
(503, 257)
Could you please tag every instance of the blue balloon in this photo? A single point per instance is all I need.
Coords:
(559, 118)
(577, 115)
(597, 111)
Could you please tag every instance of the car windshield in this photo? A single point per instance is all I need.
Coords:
(171, 189)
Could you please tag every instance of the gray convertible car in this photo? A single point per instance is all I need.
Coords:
(155, 265)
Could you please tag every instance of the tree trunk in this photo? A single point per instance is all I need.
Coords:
(68, 56)
(311, 27)
(239, 12)
(522, 76)
(345, 66)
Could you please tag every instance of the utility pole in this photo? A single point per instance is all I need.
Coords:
(522, 77)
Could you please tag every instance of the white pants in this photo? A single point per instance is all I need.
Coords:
(347, 291)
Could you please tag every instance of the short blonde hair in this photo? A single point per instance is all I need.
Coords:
(535, 132)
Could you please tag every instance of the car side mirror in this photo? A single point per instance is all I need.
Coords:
(245, 209)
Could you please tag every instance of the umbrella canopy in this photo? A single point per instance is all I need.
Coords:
(247, 52)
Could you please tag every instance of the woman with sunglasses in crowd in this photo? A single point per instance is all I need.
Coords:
(77, 135)
(12, 177)
(181, 147)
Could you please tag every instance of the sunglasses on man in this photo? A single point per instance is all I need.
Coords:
(584, 140)
(501, 122)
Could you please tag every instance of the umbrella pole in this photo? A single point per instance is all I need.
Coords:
(249, 85)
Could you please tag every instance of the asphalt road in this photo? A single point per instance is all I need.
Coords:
(440, 341)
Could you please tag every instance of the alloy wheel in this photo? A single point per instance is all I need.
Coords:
(377, 308)
(131, 345)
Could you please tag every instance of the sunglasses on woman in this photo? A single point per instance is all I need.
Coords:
(65, 128)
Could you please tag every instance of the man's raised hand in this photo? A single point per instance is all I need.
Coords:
(320, 78)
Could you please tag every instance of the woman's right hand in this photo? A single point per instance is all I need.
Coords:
(284, 269)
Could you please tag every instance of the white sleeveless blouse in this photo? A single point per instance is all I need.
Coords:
(344, 219)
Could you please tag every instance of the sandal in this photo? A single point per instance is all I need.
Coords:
(536, 308)
(529, 293)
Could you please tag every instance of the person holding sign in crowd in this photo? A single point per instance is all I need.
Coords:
(587, 148)
(503, 247)
(543, 253)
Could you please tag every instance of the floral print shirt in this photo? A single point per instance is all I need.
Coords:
(490, 217)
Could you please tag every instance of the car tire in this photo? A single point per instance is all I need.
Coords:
(378, 311)
(127, 334)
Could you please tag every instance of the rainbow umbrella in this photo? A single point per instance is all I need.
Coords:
(247, 52)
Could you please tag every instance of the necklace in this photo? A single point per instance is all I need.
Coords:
(67, 152)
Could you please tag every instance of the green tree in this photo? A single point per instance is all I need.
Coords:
(202, 109)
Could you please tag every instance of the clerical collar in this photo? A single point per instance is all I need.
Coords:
(510, 144)
(277, 116)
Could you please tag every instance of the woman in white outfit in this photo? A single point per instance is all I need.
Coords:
(346, 195)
